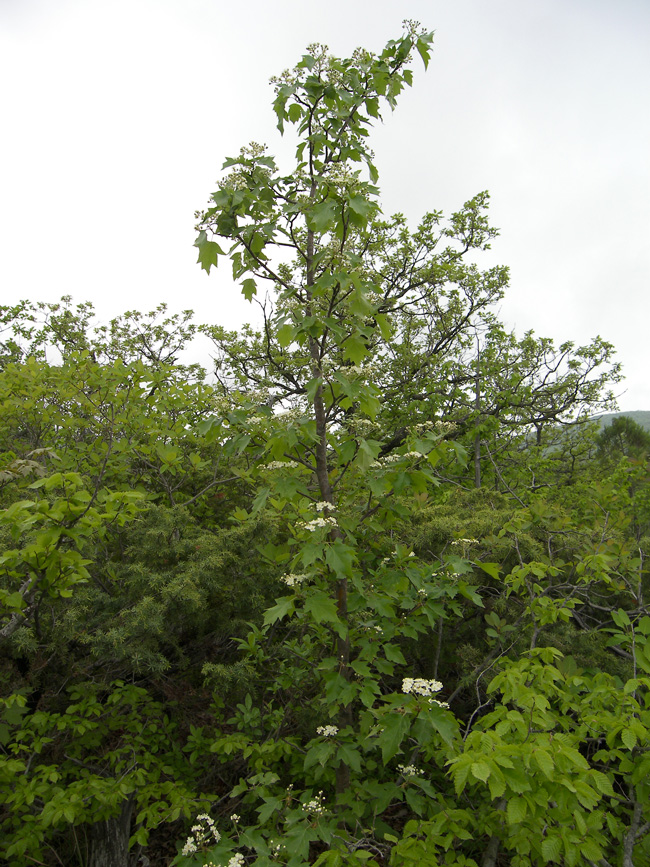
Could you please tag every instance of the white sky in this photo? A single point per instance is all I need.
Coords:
(116, 117)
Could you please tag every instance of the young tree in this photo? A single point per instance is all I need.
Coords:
(358, 307)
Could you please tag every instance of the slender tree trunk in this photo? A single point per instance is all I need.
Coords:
(326, 493)
(477, 438)
(635, 832)
(109, 839)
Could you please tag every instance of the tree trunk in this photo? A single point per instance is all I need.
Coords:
(477, 407)
(109, 839)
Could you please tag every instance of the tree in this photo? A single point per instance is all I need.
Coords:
(623, 437)
(359, 308)
(119, 583)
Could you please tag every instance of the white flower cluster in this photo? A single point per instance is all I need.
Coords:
(410, 771)
(281, 465)
(434, 701)
(393, 458)
(327, 731)
(256, 419)
(420, 686)
(203, 834)
(458, 542)
(318, 523)
(445, 426)
(292, 579)
(237, 860)
(235, 818)
(315, 806)
(422, 593)
(320, 507)
(387, 459)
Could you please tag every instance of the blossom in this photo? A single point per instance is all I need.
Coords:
(434, 701)
(420, 686)
(323, 505)
(292, 580)
(327, 731)
(445, 426)
(203, 834)
(237, 860)
(465, 542)
(235, 817)
(318, 523)
(281, 465)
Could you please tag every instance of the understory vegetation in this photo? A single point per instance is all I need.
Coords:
(370, 592)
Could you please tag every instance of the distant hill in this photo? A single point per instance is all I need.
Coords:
(640, 416)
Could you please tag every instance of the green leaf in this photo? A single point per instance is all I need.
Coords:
(321, 607)
(322, 216)
(544, 762)
(209, 251)
(395, 729)
(422, 45)
(602, 783)
(295, 112)
(590, 850)
(286, 334)
(249, 288)
(481, 770)
(284, 606)
(492, 569)
(516, 810)
(394, 654)
(621, 618)
(551, 848)
(629, 738)
(340, 558)
(443, 722)
(13, 600)
(361, 206)
(355, 348)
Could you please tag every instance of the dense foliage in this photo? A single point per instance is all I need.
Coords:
(374, 594)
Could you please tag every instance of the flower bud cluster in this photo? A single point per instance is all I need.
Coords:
(459, 542)
(315, 806)
(281, 465)
(410, 771)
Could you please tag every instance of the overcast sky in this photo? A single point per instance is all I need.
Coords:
(116, 117)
